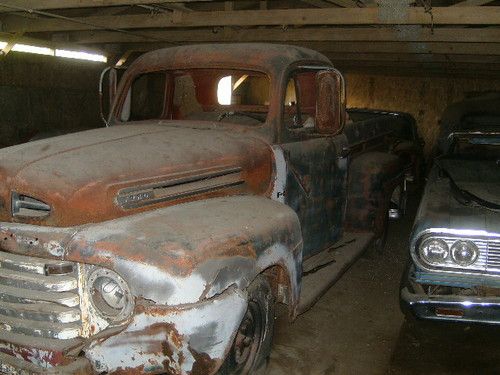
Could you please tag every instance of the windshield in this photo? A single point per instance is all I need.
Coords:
(483, 146)
(236, 96)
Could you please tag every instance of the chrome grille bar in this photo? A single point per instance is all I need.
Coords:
(493, 262)
(36, 303)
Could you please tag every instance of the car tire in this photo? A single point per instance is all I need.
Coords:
(251, 347)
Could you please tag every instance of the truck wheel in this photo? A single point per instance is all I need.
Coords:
(252, 344)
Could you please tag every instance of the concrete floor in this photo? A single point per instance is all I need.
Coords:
(357, 327)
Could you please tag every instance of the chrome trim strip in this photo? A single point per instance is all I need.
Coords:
(140, 196)
(476, 309)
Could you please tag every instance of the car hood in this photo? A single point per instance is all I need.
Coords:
(106, 173)
(441, 211)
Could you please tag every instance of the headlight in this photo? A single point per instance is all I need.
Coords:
(110, 295)
(464, 253)
(434, 251)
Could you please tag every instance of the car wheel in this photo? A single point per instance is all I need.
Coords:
(251, 347)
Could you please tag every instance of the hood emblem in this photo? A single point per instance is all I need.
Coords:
(179, 187)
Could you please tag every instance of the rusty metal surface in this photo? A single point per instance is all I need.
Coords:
(80, 175)
(185, 253)
(189, 339)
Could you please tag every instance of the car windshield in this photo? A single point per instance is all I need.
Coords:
(476, 146)
(236, 96)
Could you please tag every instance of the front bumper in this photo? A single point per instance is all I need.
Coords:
(452, 307)
(191, 338)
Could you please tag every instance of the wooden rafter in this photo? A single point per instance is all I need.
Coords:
(318, 3)
(11, 42)
(383, 65)
(331, 34)
(379, 48)
(329, 16)
(471, 3)
(69, 4)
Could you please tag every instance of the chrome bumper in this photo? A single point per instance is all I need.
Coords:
(453, 308)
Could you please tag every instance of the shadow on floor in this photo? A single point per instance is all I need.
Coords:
(446, 348)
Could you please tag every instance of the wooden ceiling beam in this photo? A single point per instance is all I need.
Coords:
(415, 58)
(341, 3)
(318, 3)
(69, 4)
(340, 48)
(419, 72)
(360, 34)
(280, 17)
(407, 47)
(472, 3)
(416, 65)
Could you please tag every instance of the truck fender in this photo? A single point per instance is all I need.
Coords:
(186, 253)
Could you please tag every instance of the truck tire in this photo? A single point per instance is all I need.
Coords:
(251, 347)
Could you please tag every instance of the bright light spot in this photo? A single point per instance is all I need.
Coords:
(80, 55)
(33, 49)
(18, 47)
(224, 90)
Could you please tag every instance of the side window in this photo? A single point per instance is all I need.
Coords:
(300, 101)
(146, 98)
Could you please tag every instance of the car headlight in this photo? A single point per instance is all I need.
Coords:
(434, 251)
(110, 295)
(464, 253)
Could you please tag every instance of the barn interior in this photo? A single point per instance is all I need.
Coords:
(414, 56)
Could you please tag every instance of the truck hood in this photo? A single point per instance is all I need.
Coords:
(106, 173)
(440, 210)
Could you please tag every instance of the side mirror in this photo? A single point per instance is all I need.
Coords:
(108, 82)
(330, 102)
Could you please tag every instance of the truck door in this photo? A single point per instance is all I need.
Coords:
(316, 164)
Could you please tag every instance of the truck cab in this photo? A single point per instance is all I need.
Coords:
(229, 179)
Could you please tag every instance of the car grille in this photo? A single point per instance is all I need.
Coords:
(39, 297)
(493, 261)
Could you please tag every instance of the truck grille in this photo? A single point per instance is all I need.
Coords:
(39, 297)
(493, 262)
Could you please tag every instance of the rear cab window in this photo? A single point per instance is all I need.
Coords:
(237, 96)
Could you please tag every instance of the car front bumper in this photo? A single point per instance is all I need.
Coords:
(452, 307)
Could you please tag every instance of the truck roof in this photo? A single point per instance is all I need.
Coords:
(271, 58)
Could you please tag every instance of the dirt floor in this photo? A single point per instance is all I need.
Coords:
(357, 327)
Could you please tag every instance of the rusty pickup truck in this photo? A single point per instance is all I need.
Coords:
(229, 179)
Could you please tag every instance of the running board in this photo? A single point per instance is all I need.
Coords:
(323, 270)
